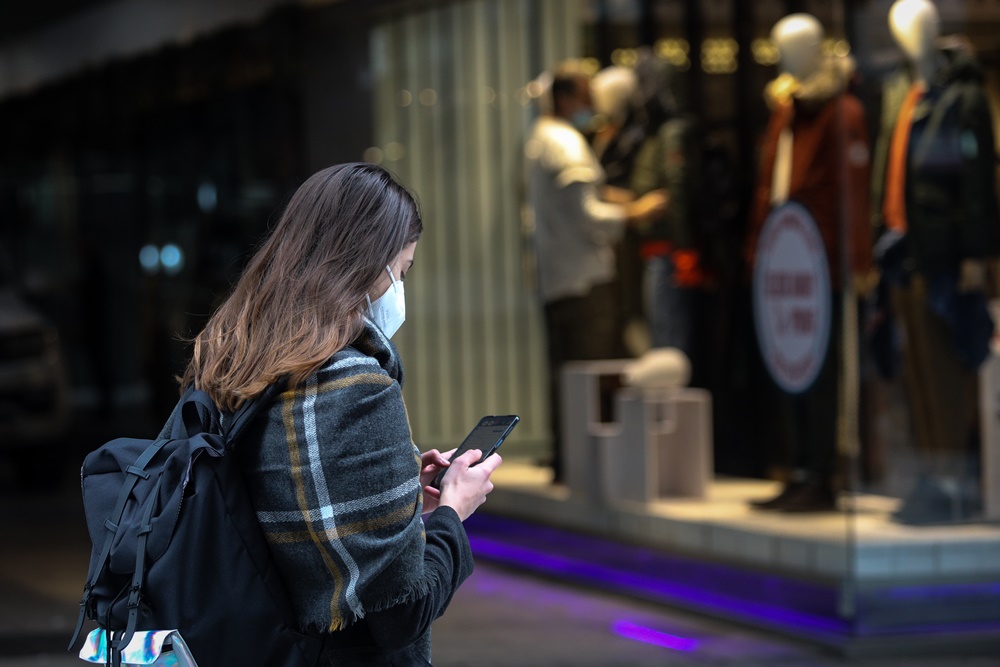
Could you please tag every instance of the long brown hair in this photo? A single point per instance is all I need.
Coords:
(301, 297)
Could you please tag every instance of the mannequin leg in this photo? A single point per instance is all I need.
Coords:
(944, 402)
(812, 487)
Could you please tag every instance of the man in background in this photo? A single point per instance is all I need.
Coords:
(578, 220)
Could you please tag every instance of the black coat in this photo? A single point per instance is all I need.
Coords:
(951, 199)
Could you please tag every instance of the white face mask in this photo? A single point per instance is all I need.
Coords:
(389, 310)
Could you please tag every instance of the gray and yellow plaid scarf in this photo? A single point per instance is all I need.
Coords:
(334, 478)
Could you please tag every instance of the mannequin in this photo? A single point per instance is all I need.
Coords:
(935, 196)
(611, 90)
(814, 152)
(673, 249)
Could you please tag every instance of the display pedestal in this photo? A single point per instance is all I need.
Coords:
(663, 448)
(584, 431)
(658, 446)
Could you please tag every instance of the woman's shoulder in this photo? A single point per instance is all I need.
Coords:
(370, 353)
(349, 362)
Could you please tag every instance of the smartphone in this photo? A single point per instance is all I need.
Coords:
(487, 436)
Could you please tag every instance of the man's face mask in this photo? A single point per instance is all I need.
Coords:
(389, 310)
(581, 119)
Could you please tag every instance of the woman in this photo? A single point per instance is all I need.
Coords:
(335, 479)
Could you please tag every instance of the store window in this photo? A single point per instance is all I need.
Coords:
(831, 421)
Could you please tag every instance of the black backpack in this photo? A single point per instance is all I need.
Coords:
(177, 545)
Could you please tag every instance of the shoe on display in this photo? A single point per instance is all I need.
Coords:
(775, 502)
(937, 500)
(801, 496)
(814, 496)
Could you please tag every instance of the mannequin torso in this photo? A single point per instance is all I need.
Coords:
(952, 89)
(815, 148)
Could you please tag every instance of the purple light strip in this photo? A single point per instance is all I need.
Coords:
(630, 630)
(610, 578)
(612, 566)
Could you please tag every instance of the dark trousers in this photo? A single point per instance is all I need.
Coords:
(579, 328)
(811, 416)
(944, 395)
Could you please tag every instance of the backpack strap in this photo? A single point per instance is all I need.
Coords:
(118, 645)
(249, 410)
(193, 419)
(134, 473)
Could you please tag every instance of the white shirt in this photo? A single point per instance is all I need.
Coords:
(574, 230)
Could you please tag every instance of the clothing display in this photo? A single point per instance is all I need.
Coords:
(950, 177)
(815, 152)
(934, 186)
(670, 159)
(829, 166)
(368, 567)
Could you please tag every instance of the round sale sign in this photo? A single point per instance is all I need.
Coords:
(791, 297)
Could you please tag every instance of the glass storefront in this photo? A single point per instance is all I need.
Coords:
(805, 445)
(824, 458)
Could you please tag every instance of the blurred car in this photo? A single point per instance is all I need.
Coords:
(34, 390)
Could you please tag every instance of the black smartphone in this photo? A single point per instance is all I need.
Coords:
(487, 436)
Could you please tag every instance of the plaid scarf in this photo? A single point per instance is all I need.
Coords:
(334, 477)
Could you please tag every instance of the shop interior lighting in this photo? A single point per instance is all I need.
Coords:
(591, 65)
(836, 47)
(394, 151)
(765, 51)
(624, 57)
(171, 259)
(149, 258)
(675, 51)
(428, 97)
(208, 197)
(718, 55)
(534, 89)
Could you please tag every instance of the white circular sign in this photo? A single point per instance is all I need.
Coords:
(791, 297)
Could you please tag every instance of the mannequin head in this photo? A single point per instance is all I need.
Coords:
(799, 38)
(612, 90)
(915, 26)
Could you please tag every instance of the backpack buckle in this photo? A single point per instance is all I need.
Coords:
(86, 606)
(133, 597)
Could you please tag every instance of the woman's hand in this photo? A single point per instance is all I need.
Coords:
(465, 488)
(431, 463)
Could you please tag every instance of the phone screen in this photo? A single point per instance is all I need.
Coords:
(487, 436)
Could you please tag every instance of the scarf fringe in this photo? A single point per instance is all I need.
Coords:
(414, 591)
